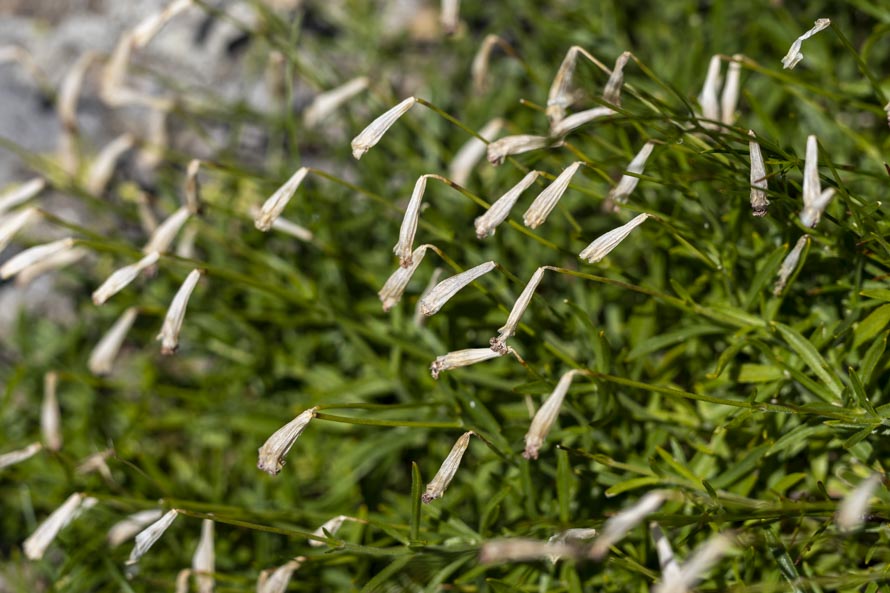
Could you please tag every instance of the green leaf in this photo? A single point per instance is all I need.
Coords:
(416, 492)
(872, 357)
(811, 357)
(681, 335)
(872, 325)
(563, 484)
(881, 294)
(633, 484)
(760, 373)
(796, 436)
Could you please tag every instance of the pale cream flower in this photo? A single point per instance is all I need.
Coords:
(14, 222)
(436, 488)
(274, 206)
(450, 17)
(324, 104)
(471, 153)
(146, 538)
(120, 278)
(612, 92)
(371, 135)
(462, 358)
(35, 546)
(573, 536)
(559, 96)
(605, 243)
(193, 187)
(53, 262)
(851, 512)
(14, 457)
(518, 549)
(729, 100)
(479, 67)
(103, 166)
(128, 528)
(666, 561)
(499, 343)
(695, 567)
(444, 290)
(21, 194)
(96, 463)
(815, 200)
(576, 120)
(293, 229)
(185, 246)
(169, 334)
(153, 148)
(498, 212)
(34, 256)
(66, 108)
(112, 88)
(546, 201)
(546, 416)
(182, 580)
(707, 99)
(508, 145)
(331, 526)
(163, 237)
(409, 223)
(395, 285)
(419, 317)
(789, 264)
(276, 580)
(277, 446)
(103, 355)
(50, 414)
(618, 526)
(793, 57)
(204, 559)
(151, 25)
(759, 183)
(628, 183)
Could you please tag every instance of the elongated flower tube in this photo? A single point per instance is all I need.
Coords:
(618, 526)
(169, 334)
(331, 526)
(471, 153)
(419, 317)
(409, 224)
(462, 358)
(103, 167)
(612, 92)
(670, 569)
(13, 223)
(324, 104)
(204, 559)
(66, 108)
(272, 453)
(146, 538)
(692, 571)
(48, 264)
(604, 244)
(33, 256)
(509, 145)
(145, 31)
(193, 187)
(851, 512)
(450, 16)
(50, 414)
(546, 416)
(371, 135)
(546, 201)
(20, 455)
(498, 212)
(21, 194)
(573, 536)
(789, 264)
(128, 528)
(729, 100)
(444, 290)
(793, 57)
(499, 343)
(576, 120)
(759, 184)
(436, 488)
(628, 183)
(274, 206)
(559, 96)
(395, 285)
(708, 97)
(815, 200)
(163, 237)
(479, 67)
(276, 580)
(122, 277)
(35, 546)
(520, 549)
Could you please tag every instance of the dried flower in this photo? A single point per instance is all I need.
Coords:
(102, 357)
(185, 247)
(395, 285)
(517, 549)
(612, 92)
(450, 17)
(13, 457)
(21, 194)
(546, 416)
(119, 279)
(371, 135)
(690, 573)
(169, 334)
(35, 546)
(499, 343)
(146, 538)
(50, 415)
(442, 293)
(276, 447)
(182, 581)
(462, 358)
(669, 567)
(851, 511)
(103, 167)
(293, 229)
(33, 256)
(204, 559)
(443, 477)
(498, 212)
(546, 201)
(620, 524)
(66, 107)
(166, 232)
(759, 184)
(479, 67)
(96, 463)
(794, 56)
(151, 152)
(789, 264)
(152, 25)
(627, 183)
(815, 200)
(324, 104)
(558, 98)
(730, 98)
(419, 317)
(53, 262)
(708, 97)
(193, 187)
(604, 244)
(12, 224)
(274, 206)
(276, 581)
(409, 223)
(576, 120)
(132, 525)
(465, 160)
(508, 145)
(331, 526)
(573, 536)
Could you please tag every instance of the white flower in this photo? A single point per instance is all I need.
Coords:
(169, 334)
(604, 244)
(682, 580)
(666, 560)
(465, 160)
(546, 416)
(66, 108)
(444, 290)
(277, 446)
(276, 580)
(708, 97)
(789, 264)
(498, 212)
(33, 256)
(794, 56)
(851, 511)
(371, 135)
(479, 67)
(330, 526)
(395, 285)
(13, 223)
(509, 145)
(499, 343)
(122, 277)
(450, 17)
(612, 92)
(133, 524)
(559, 96)
(518, 549)
(573, 536)
(50, 414)
(759, 184)
(152, 24)
(546, 201)
(35, 546)
(103, 167)
(576, 120)
(146, 538)
(53, 262)
(21, 194)
(618, 526)
(324, 104)
(163, 236)
(409, 223)
(193, 187)
(627, 183)
(436, 488)
(13, 457)
(730, 98)
(462, 358)
(204, 559)
(815, 200)
(274, 206)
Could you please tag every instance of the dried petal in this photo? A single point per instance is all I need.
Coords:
(151, 534)
(204, 559)
(13, 457)
(326, 103)
(21, 194)
(274, 206)
(576, 120)
(730, 99)
(276, 581)
(105, 163)
(169, 334)
(371, 135)
(462, 358)
(276, 447)
(12, 224)
(546, 201)
(509, 145)
(628, 183)
(442, 293)
(331, 526)
(604, 244)
(395, 285)
(498, 212)
(499, 343)
(789, 264)
(33, 256)
(132, 525)
(50, 414)
(119, 279)
(472, 152)
(440, 482)
(546, 416)
(612, 92)
(618, 526)
(409, 223)
(851, 511)
(163, 237)
(35, 546)
(793, 57)
(759, 184)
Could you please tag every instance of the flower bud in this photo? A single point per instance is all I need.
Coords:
(21, 194)
(50, 414)
(499, 343)
(462, 358)
(628, 183)
(436, 488)
(274, 206)
(789, 264)
(498, 212)
(759, 184)
(546, 416)
(371, 135)
(395, 285)
(122, 277)
(146, 538)
(546, 201)
(204, 559)
(169, 334)
(444, 290)
(324, 104)
(277, 446)
(465, 160)
(851, 511)
(34, 256)
(618, 526)
(604, 244)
